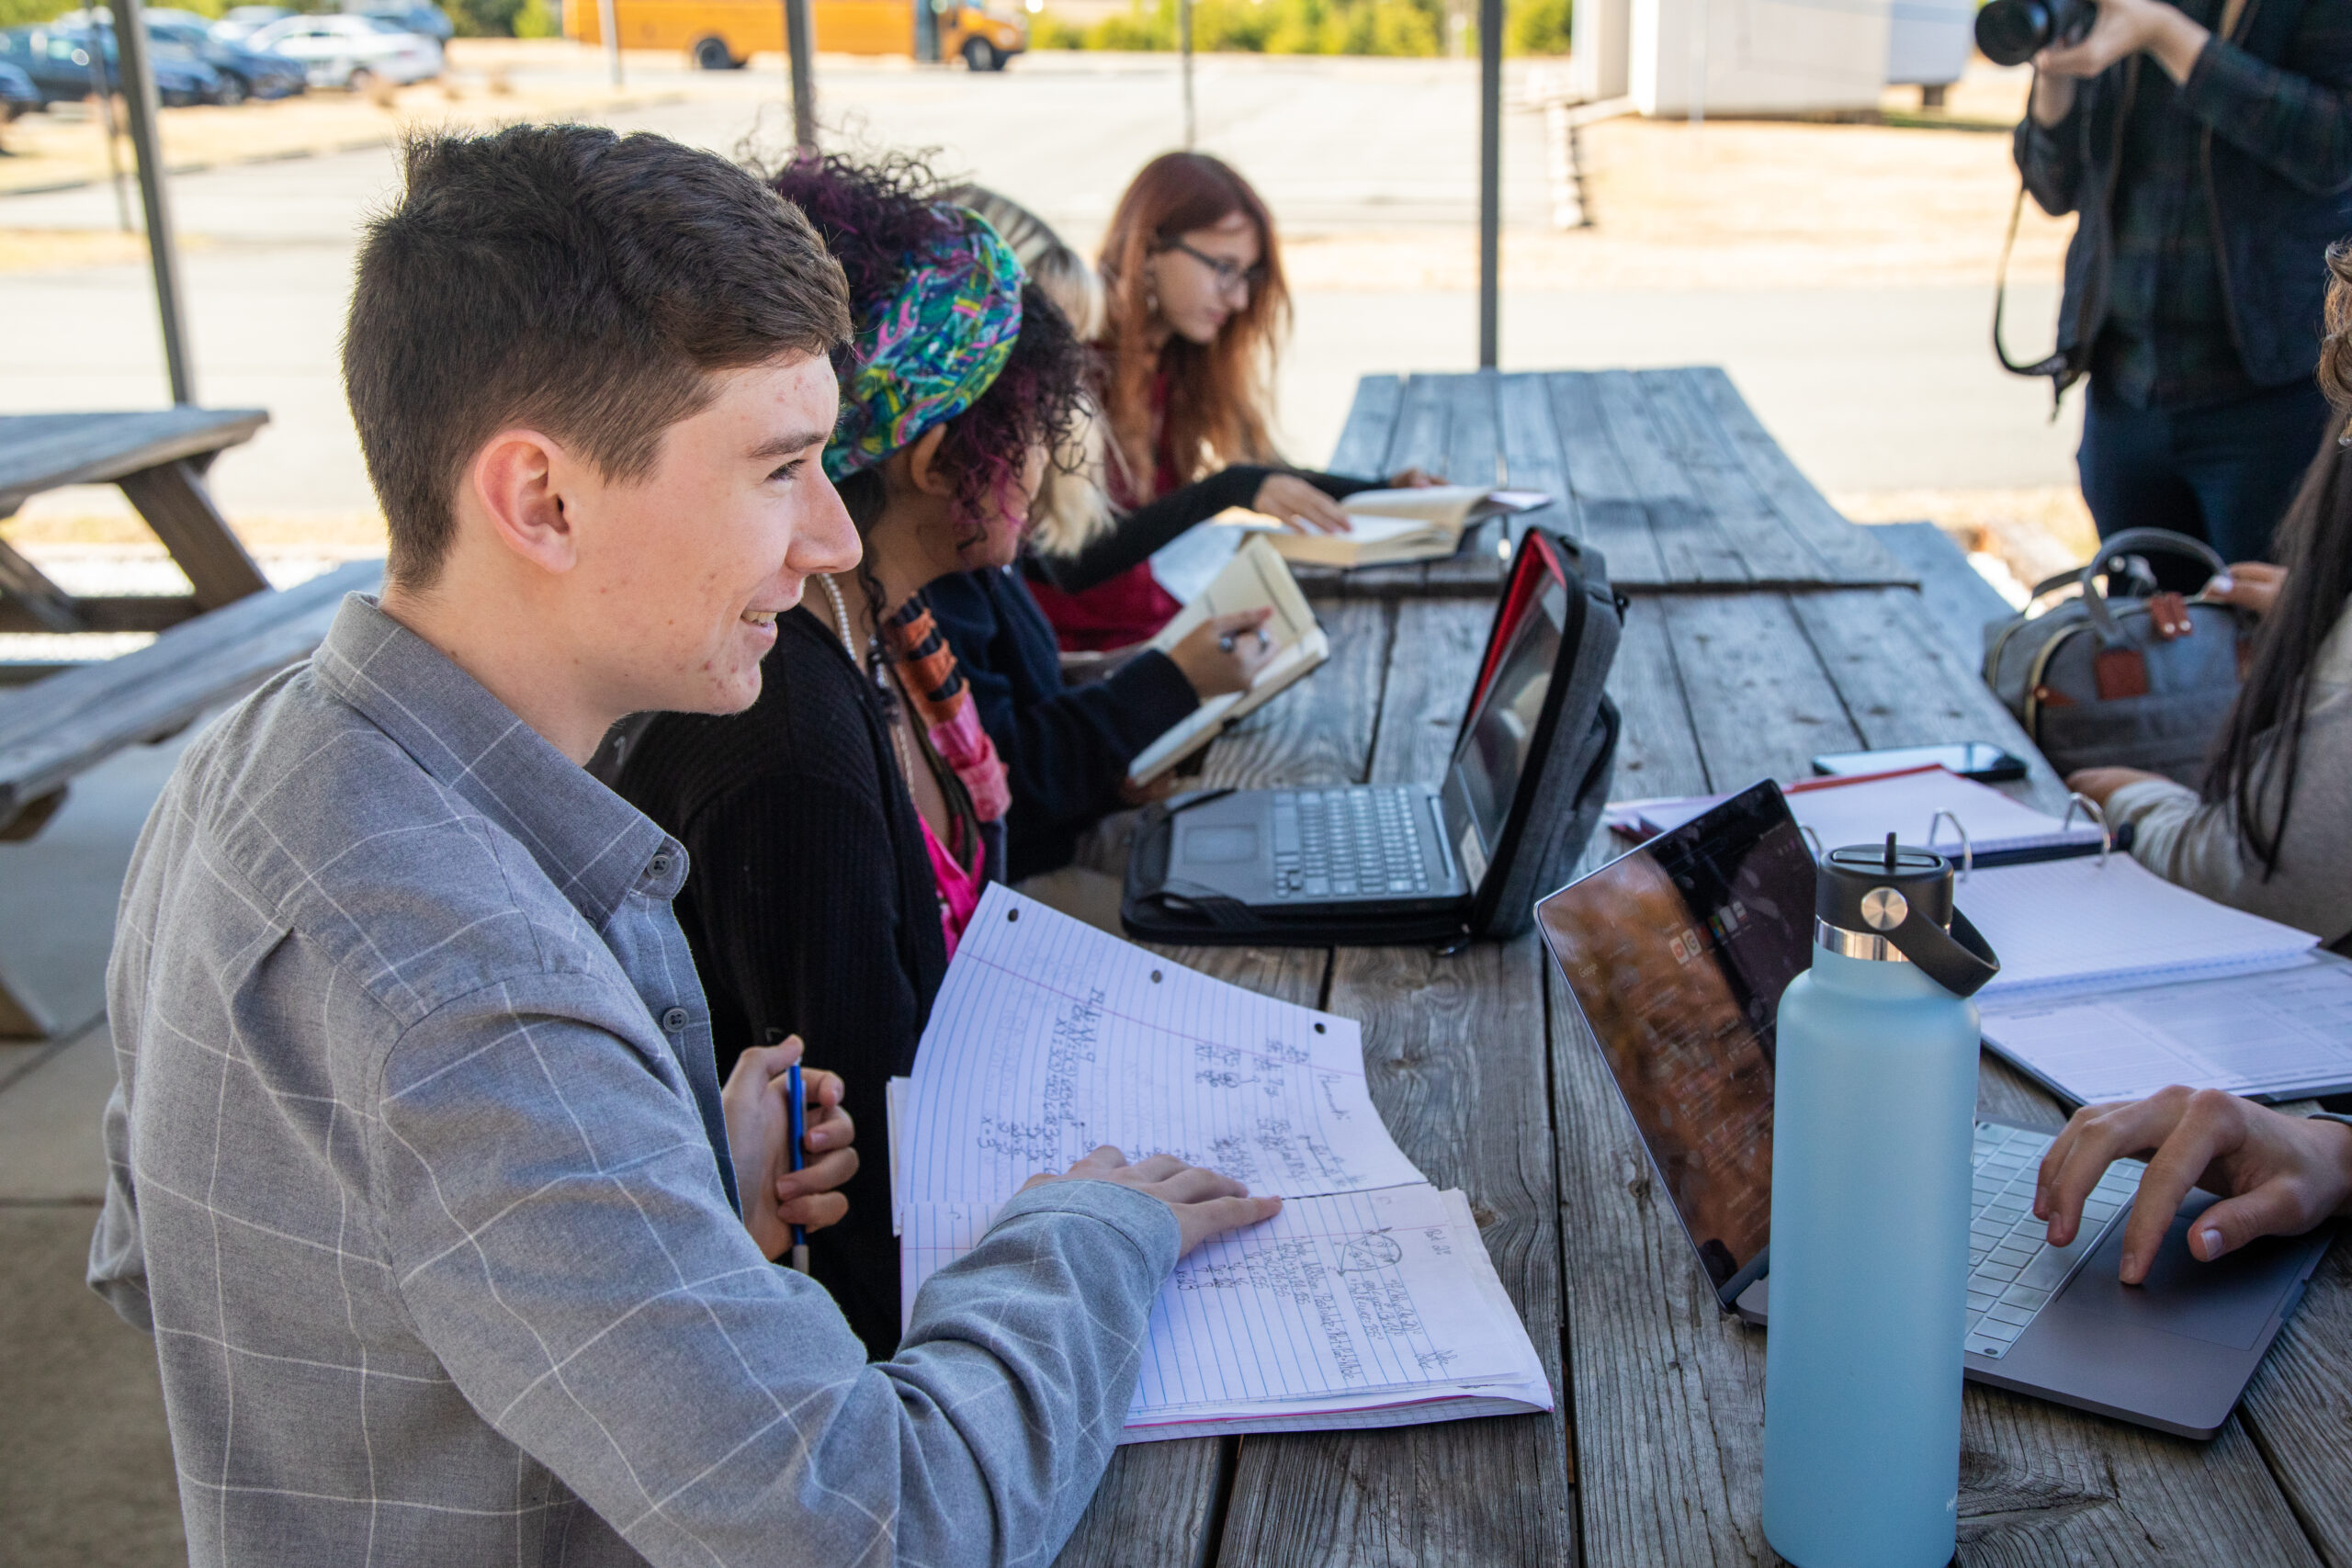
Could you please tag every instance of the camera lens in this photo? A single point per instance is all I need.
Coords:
(2011, 32)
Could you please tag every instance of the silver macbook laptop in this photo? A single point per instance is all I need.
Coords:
(1677, 954)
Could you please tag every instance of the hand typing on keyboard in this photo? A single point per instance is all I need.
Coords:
(2278, 1175)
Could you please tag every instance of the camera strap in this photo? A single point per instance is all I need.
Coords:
(2053, 365)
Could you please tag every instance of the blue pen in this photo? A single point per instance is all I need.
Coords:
(799, 1130)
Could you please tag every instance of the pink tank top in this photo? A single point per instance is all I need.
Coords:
(959, 895)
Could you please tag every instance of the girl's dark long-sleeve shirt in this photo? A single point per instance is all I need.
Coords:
(1065, 748)
(810, 906)
(1143, 533)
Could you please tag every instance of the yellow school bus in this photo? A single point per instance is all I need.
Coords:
(720, 35)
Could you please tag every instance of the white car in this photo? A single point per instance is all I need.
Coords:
(351, 51)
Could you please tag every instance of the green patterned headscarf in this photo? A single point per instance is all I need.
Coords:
(927, 353)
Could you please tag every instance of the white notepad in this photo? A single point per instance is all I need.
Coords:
(2087, 923)
(1920, 806)
(1370, 1300)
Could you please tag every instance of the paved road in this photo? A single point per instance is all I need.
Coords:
(1871, 390)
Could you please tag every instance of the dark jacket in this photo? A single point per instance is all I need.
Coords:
(811, 907)
(1066, 749)
(1143, 533)
(2274, 168)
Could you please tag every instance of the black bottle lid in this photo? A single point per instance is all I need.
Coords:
(1892, 903)
(1871, 888)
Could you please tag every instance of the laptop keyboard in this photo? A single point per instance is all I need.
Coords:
(1348, 842)
(2013, 1272)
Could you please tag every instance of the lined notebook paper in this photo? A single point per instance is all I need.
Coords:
(2082, 924)
(1369, 1300)
(2282, 1034)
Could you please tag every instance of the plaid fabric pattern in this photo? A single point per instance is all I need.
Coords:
(413, 1178)
(2164, 337)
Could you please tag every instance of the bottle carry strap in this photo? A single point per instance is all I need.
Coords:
(1960, 960)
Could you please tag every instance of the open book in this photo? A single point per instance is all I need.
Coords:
(1368, 1301)
(1255, 577)
(1393, 527)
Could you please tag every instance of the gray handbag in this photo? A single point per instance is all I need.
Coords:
(2118, 680)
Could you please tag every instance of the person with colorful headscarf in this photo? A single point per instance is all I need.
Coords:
(840, 830)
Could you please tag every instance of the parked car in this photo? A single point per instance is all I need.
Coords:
(352, 51)
(56, 55)
(18, 94)
(238, 21)
(408, 16)
(720, 35)
(244, 71)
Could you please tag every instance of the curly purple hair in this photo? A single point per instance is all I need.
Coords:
(872, 215)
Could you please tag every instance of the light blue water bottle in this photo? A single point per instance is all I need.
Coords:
(1873, 1109)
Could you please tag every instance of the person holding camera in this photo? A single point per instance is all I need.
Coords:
(2207, 147)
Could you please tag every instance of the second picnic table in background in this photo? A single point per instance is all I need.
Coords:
(1762, 629)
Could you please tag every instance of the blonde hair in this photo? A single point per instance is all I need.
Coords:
(1072, 508)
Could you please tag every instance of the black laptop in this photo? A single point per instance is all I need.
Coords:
(1721, 910)
(1462, 856)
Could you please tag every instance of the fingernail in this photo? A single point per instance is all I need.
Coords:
(2212, 1239)
(2222, 582)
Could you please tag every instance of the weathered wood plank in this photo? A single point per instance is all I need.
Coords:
(42, 451)
(1363, 448)
(1320, 730)
(1609, 507)
(1957, 599)
(1769, 549)
(1852, 556)
(1532, 458)
(1658, 750)
(55, 728)
(1473, 456)
(1454, 1051)
(1762, 706)
(2299, 1410)
(1904, 685)
(1689, 545)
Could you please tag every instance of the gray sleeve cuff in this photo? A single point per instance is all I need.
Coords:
(1149, 1224)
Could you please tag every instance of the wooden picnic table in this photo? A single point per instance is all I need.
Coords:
(1484, 1072)
(158, 458)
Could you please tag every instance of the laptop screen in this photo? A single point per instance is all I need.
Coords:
(1500, 741)
(1678, 953)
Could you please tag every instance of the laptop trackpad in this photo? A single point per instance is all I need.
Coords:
(2228, 1301)
(1219, 846)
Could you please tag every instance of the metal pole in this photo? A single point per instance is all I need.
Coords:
(800, 43)
(608, 22)
(102, 90)
(1184, 42)
(1490, 177)
(139, 98)
(1699, 62)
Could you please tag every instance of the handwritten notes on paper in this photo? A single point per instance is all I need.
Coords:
(1050, 1039)
(1369, 1300)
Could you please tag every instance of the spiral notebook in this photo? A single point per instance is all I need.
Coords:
(1368, 1301)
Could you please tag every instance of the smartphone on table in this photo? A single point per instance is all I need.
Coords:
(1978, 760)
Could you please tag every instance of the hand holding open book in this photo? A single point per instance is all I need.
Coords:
(1254, 580)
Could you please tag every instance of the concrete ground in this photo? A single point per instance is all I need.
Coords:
(1872, 368)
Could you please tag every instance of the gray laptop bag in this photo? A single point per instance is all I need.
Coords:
(2111, 681)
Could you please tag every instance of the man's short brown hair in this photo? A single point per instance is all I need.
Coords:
(571, 279)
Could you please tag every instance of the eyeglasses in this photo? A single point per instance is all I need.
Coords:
(1228, 272)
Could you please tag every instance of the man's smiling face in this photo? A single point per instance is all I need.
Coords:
(688, 567)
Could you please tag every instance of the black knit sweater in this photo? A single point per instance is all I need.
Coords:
(1066, 749)
(811, 907)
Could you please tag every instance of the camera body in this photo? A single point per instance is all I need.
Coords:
(2011, 32)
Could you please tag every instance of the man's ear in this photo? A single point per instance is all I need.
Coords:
(922, 463)
(514, 482)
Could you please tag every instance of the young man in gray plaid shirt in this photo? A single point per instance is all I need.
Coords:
(421, 1175)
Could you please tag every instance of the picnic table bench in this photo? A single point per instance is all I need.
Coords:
(1483, 1070)
(218, 641)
